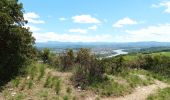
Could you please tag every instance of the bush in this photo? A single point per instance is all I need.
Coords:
(155, 63)
(87, 70)
(16, 42)
(67, 60)
(113, 65)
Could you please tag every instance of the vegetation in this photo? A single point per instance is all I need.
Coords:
(16, 42)
(26, 71)
(87, 70)
(163, 94)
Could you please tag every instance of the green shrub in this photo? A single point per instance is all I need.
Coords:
(87, 70)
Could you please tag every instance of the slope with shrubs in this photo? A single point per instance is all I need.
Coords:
(82, 76)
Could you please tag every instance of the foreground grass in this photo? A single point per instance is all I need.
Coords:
(123, 83)
(163, 94)
(38, 83)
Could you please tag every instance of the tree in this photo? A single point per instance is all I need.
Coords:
(88, 69)
(67, 60)
(45, 55)
(16, 42)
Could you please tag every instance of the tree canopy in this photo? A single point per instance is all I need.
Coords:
(16, 42)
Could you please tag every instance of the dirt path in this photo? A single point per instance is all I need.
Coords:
(141, 93)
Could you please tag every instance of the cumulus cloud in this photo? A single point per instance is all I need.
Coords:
(85, 19)
(151, 33)
(78, 30)
(124, 21)
(52, 36)
(93, 27)
(32, 17)
(32, 28)
(165, 4)
(160, 33)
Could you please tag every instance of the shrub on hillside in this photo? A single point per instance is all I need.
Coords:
(113, 65)
(156, 63)
(67, 60)
(87, 70)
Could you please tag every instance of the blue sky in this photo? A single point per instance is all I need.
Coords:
(98, 20)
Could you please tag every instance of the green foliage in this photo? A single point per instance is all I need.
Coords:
(19, 97)
(67, 60)
(155, 63)
(30, 84)
(162, 94)
(45, 55)
(41, 71)
(32, 70)
(87, 70)
(57, 86)
(16, 42)
(114, 65)
(110, 87)
(135, 80)
(66, 97)
(48, 82)
(16, 82)
(83, 56)
(53, 82)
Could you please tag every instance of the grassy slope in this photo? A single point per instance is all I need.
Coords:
(134, 56)
(42, 83)
(162, 94)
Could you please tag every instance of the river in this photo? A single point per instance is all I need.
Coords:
(117, 52)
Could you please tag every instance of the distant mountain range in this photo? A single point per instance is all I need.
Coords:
(116, 45)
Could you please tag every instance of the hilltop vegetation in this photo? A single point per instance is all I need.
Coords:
(16, 42)
(29, 73)
(81, 75)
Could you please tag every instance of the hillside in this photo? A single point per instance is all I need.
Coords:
(45, 82)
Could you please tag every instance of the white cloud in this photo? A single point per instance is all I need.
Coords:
(62, 19)
(32, 17)
(85, 19)
(78, 30)
(51, 36)
(32, 28)
(151, 33)
(160, 33)
(165, 4)
(124, 21)
(93, 27)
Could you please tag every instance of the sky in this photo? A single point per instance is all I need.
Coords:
(98, 20)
